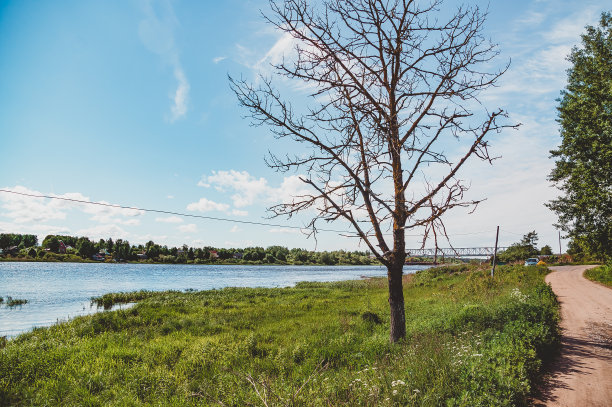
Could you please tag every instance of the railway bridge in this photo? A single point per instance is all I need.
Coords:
(455, 252)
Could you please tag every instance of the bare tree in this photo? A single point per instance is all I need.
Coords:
(394, 84)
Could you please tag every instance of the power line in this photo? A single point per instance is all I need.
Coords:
(188, 215)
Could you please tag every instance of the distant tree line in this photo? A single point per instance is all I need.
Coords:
(72, 248)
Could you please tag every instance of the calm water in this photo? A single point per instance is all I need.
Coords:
(59, 291)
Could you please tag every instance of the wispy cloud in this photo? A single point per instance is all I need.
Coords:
(216, 60)
(179, 108)
(156, 32)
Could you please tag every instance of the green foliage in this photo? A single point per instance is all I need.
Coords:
(121, 250)
(14, 239)
(472, 340)
(601, 274)
(51, 242)
(546, 250)
(522, 250)
(584, 158)
(108, 300)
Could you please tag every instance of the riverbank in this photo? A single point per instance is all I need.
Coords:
(472, 340)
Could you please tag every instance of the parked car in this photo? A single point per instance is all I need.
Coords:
(532, 261)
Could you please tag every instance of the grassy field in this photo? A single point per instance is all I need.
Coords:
(601, 274)
(472, 341)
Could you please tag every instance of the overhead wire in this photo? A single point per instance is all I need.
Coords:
(189, 215)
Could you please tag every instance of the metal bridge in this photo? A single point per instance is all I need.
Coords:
(455, 252)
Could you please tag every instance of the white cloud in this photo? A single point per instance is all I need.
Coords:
(156, 32)
(248, 188)
(170, 196)
(169, 219)
(179, 109)
(38, 229)
(284, 46)
(235, 229)
(189, 228)
(568, 30)
(24, 209)
(216, 60)
(238, 212)
(205, 205)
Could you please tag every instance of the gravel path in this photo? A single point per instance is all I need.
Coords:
(582, 376)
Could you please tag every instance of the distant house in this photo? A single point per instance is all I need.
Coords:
(13, 250)
(62, 247)
(141, 256)
(237, 255)
(98, 257)
(214, 254)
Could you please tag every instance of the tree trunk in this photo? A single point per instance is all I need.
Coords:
(396, 302)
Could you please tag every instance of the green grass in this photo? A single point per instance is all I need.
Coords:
(13, 302)
(601, 274)
(107, 301)
(472, 341)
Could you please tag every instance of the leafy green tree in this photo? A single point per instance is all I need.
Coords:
(521, 250)
(85, 247)
(109, 245)
(5, 240)
(122, 250)
(583, 167)
(546, 250)
(51, 242)
(29, 240)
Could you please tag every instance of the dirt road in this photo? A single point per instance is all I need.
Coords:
(582, 376)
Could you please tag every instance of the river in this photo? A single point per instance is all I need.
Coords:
(59, 291)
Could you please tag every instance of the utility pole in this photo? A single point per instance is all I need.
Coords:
(495, 252)
(560, 252)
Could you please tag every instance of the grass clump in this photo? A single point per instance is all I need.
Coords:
(108, 300)
(601, 274)
(14, 302)
(472, 340)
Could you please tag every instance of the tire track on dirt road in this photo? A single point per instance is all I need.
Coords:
(582, 375)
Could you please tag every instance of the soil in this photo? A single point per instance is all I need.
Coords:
(582, 375)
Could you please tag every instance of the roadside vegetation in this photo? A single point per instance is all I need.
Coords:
(471, 340)
(601, 274)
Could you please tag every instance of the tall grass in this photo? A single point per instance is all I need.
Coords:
(472, 341)
(601, 274)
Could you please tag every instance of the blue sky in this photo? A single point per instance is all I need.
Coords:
(128, 102)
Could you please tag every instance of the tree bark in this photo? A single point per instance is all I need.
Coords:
(396, 302)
